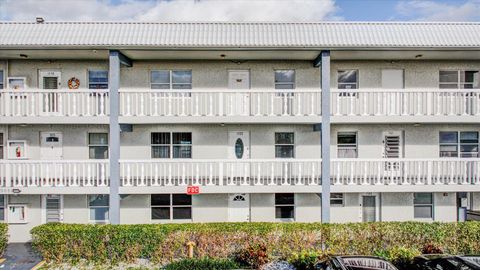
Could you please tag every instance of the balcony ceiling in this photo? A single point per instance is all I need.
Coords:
(241, 54)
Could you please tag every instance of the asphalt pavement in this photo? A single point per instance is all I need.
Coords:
(20, 256)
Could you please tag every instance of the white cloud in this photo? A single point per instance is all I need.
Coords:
(436, 11)
(169, 10)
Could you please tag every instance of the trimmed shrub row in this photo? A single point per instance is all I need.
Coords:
(167, 243)
(3, 237)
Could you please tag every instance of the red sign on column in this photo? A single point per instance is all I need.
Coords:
(191, 190)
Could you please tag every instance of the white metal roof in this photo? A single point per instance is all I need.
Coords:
(241, 35)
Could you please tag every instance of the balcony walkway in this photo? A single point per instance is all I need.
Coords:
(276, 175)
(139, 106)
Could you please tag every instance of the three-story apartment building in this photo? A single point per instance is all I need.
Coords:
(120, 122)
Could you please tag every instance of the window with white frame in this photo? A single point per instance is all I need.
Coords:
(459, 144)
(336, 199)
(2, 79)
(2, 148)
(347, 145)
(171, 206)
(347, 79)
(285, 79)
(3, 201)
(171, 79)
(423, 205)
(284, 145)
(174, 144)
(285, 206)
(98, 79)
(98, 145)
(98, 205)
(459, 79)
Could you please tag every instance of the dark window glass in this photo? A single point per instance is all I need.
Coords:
(423, 205)
(98, 145)
(182, 213)
(160, 151)
(468, 137)
(182, 199)
(160, 199)
(284, 79)
(336, 199)
(284, 138)
(284, 198)
(182, 142)
(98, 200)
(448, 137)
(284, 212)
(160, 144)
(423, 198)
(1, 79)
(284, 145)
(181, 79)
(160, 212)
(182, 138)
(284, 151)
(1, 146)
(160, 138)
(347, 79)
(98, 79)
(347, 145)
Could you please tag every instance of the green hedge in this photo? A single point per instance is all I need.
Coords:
(3, 237)
(166, 243)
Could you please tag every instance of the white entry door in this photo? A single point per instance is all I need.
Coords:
(369, 208)
(392, 149)
(393, 79)
(239, 207)
(52, 208)
(50, 79)
(238, 172)
(51, 145)
(239, 99)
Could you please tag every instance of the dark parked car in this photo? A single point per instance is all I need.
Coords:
(445, 262)
(355, 263)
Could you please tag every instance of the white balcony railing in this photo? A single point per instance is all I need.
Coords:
(275, 172)
(405, 102)
(220, 172)
(220, 103)
(445, 171)
(226, 103)
(54, 102)
(54, 173)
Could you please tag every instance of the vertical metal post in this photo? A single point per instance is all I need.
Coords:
(325, 134)
(114, 137)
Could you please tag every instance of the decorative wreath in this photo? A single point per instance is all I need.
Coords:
(73, 83)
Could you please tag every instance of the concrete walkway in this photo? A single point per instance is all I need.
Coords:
(20, 256)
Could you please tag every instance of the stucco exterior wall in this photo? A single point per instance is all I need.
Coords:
(349, 212)
(445, 207)
(19, 233)
(397, 206)
(419, 141)
(213, 74)
(262, 207)
(210, 208)
(75, 209)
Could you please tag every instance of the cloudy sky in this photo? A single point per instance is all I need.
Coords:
(240, 10)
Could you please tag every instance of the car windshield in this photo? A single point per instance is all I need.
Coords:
(450, 264)
(366, 264)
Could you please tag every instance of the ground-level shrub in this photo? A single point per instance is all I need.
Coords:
(253, 255)
(3, 237)
(399, 256)
(305, 260)
(165, 243)
(202, 264)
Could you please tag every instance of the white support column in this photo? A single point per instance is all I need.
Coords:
(114, 137)
(325, 134)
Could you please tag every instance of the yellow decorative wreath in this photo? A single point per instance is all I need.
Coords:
(73, 83)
